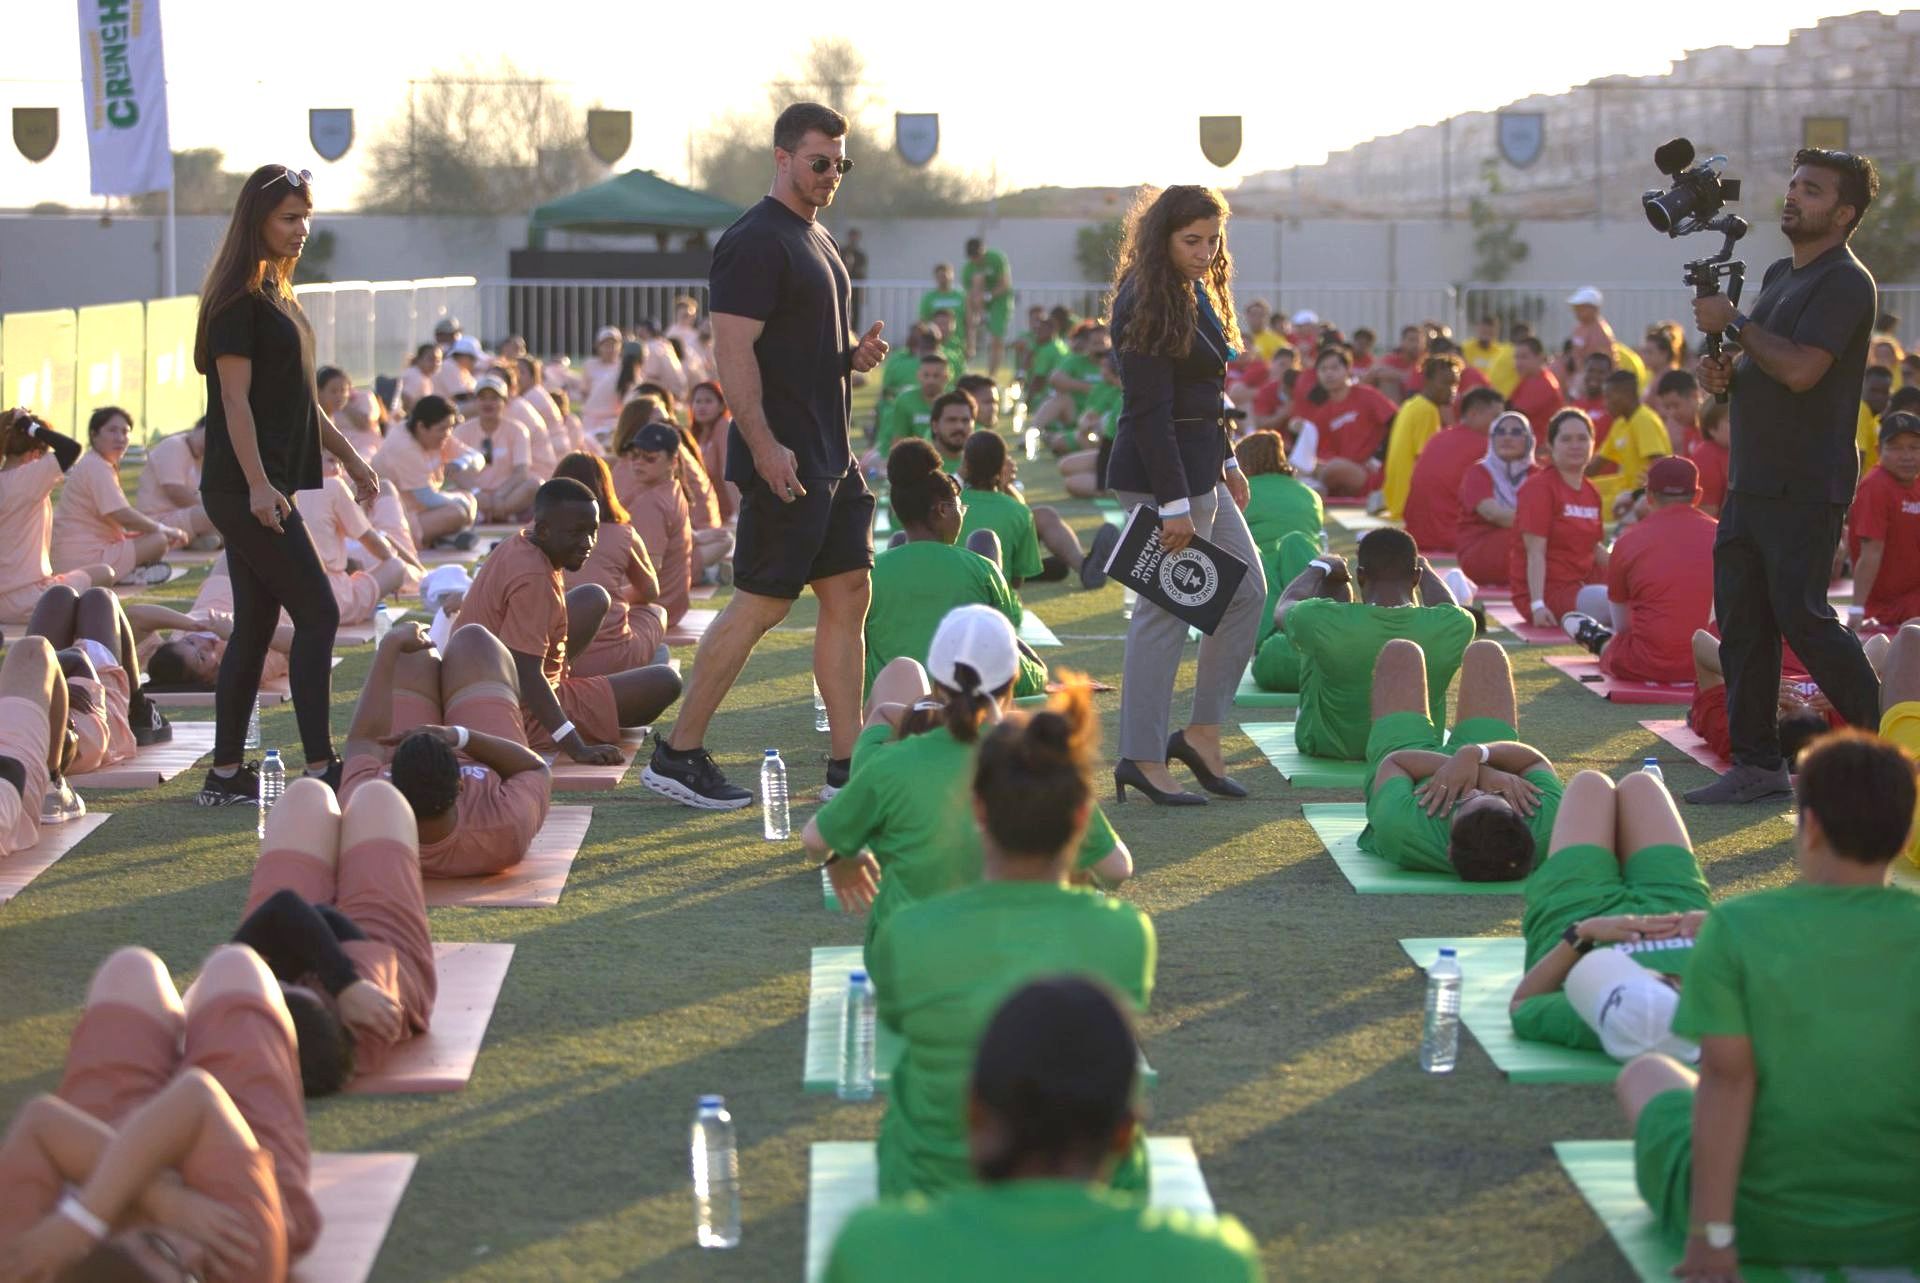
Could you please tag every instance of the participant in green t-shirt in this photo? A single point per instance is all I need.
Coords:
(1338, 639)
(1278, 504)
(1641, 907)
(1105, 399)
(918, 582)
(1799, 1146)
(989, 284)
(943, 967)
(1048, 351)
(1008, 516)
(943, 295)
(1050, 1105)
(911, 414)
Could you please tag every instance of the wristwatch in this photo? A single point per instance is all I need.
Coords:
(1574, 941)
(1739, 323)
(1718, 1234)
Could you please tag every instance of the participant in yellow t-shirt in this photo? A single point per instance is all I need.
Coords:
(1419, 420)
(1876, 389)
(1625, 358)
(1635, 438)
(1485, 352)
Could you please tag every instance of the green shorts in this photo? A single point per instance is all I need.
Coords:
(1663, 1159)
(999, 315)
(1413, 729)
(1578, 882)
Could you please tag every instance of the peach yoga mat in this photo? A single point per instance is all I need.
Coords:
(155, 764)
(22, 867)
(358, 1195)
(535, 882)
(442, 1058)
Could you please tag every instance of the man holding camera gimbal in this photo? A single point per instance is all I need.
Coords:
(1795, 391)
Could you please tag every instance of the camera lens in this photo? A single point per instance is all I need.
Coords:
(1659, 211)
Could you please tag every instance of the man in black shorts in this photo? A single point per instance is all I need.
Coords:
(787, 352)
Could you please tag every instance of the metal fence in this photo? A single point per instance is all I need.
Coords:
(1630, 309)
(369, 328)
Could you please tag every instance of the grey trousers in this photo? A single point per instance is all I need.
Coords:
(1156, 640)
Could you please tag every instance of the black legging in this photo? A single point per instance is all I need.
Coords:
(270, 572)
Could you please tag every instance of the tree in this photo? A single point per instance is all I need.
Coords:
(1096, 248)
(495, 142)
(735, 156)
(201, 185)
(1497, 247)
(1889, 238)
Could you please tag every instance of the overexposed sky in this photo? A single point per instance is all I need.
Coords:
(1067, 94)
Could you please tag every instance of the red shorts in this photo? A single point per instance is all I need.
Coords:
(1707, 718)
(1894, 611)
(588, 704)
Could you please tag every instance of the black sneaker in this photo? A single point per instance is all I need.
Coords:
(1093, 572)
(1592, 634)
(150, 725)
(838, 770)
(1742, 785)
(242, 788)
(331, 776)
(691, 778)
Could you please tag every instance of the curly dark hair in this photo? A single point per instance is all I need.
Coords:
(1163, 306)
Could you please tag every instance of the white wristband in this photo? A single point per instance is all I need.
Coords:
(1539, 604)
(460, 737)
(561, 731)
(1325, 569)
(74, 1210)
(1233, 463)
(1486, 754)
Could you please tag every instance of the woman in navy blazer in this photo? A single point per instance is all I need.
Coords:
(1174, 331)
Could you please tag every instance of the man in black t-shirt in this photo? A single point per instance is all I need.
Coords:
(1795, 400)
(782, 337)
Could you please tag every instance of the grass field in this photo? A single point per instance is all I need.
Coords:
(1284, 1027)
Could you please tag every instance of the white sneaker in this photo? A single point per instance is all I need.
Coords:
(147, 576)
(1376, 503)
(61, 804)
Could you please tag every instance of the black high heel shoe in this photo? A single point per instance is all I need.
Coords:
(1178, 750)
(1129, 775)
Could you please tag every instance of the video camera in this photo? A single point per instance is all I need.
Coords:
(1693, 204)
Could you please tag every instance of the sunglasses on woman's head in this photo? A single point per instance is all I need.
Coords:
(821, 164)
(296, 178)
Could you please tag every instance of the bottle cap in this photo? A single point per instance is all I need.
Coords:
(1447, 951)
(857, 976)
(1650, 761)
(273, 753)
(713, 1102)
(773, 752)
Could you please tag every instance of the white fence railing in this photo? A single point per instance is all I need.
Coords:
(369, 328)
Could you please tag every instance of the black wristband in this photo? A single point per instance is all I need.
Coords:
(1571, 937)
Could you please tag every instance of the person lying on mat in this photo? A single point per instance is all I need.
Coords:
(901, 829)
(1338, 639)
(1659, 583)
(176, 1144)
(1794, 1143)
(447, 732)
(1804, 712)
(1052, 1107)
(1477, 803)
(1610, 922)
(336, 910)
(1561, 554)
(109, 714)
(917, 583)
(93, 523)
(181, 650)
(1035, 543)
(942, 967)
(333, 518)
(518, 596)
(33, 737)
(633, 631)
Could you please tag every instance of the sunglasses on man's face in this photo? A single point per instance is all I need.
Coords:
(821, 164)
(295, 178)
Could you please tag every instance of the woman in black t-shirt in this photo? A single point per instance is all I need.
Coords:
(265, 432)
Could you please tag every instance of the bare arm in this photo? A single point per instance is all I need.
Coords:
(334, 443)
(179, 496)
(1722, 1118)
(1536, 566)
(1433, 589)
(373, 715)
(147, 619)
(504, 757)
(1550, 973)
(133, 519)
(641, 577)
(1313, 582)
(733, 340)
(1794, 364)
(1495, 513)
(1866, 569)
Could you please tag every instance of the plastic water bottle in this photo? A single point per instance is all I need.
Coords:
(1032, 436)
(1651, 766)
(253, 725)
(1127, 597)
(382, 625)
(1440, 1044)
(273, 782)
(856, 1039)
(716, 1176)
(773, 797)
(820, 721)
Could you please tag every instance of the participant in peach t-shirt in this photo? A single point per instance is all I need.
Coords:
(181, 650)
(336, 896)
(414, 459)
(447, 733)
(643, 480)
(505, 486)
(519, 598)
(33, 720)
(178, 1124)
(416, 380)
(352, 409)
(631, 633)
(100, 656)
(333, 518)
(93, 524)
(169, 489)
(33, 458)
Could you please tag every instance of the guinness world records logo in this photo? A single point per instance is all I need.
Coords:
(1188, 577)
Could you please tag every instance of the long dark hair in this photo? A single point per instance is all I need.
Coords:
(1164, 309)
(592, 472)
(242, 264)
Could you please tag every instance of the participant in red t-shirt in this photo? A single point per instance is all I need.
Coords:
(1471, 377)
(1803, 711)
(1710, 455)
(1489, 495)
(1537, 395)
(1593, 392)
(1883, 529)
(1558, 518)
(1350, 422)
(1677, 397)
(1273, 393)
(1409, 356)
(1660, 580)
(1433, 498)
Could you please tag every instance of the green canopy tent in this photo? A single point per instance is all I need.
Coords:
(636, 203)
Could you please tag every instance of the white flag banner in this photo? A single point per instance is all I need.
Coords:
(125, 78)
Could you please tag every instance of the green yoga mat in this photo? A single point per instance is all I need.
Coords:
(1110, 512)
(1275, 740)
(1249, 695)
(844, 1176)
(1034, 630)
(826, 995)
(1602, 1170)
(1338, 825)
(1490, 967)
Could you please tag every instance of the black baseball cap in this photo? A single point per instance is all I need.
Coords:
(1896, 423)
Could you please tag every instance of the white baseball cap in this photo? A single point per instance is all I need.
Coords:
(1584, 295)
(607, 332)
(492, 383)
(1630, 1007)
(1306, 316)
(979, 637)
(465, 345)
